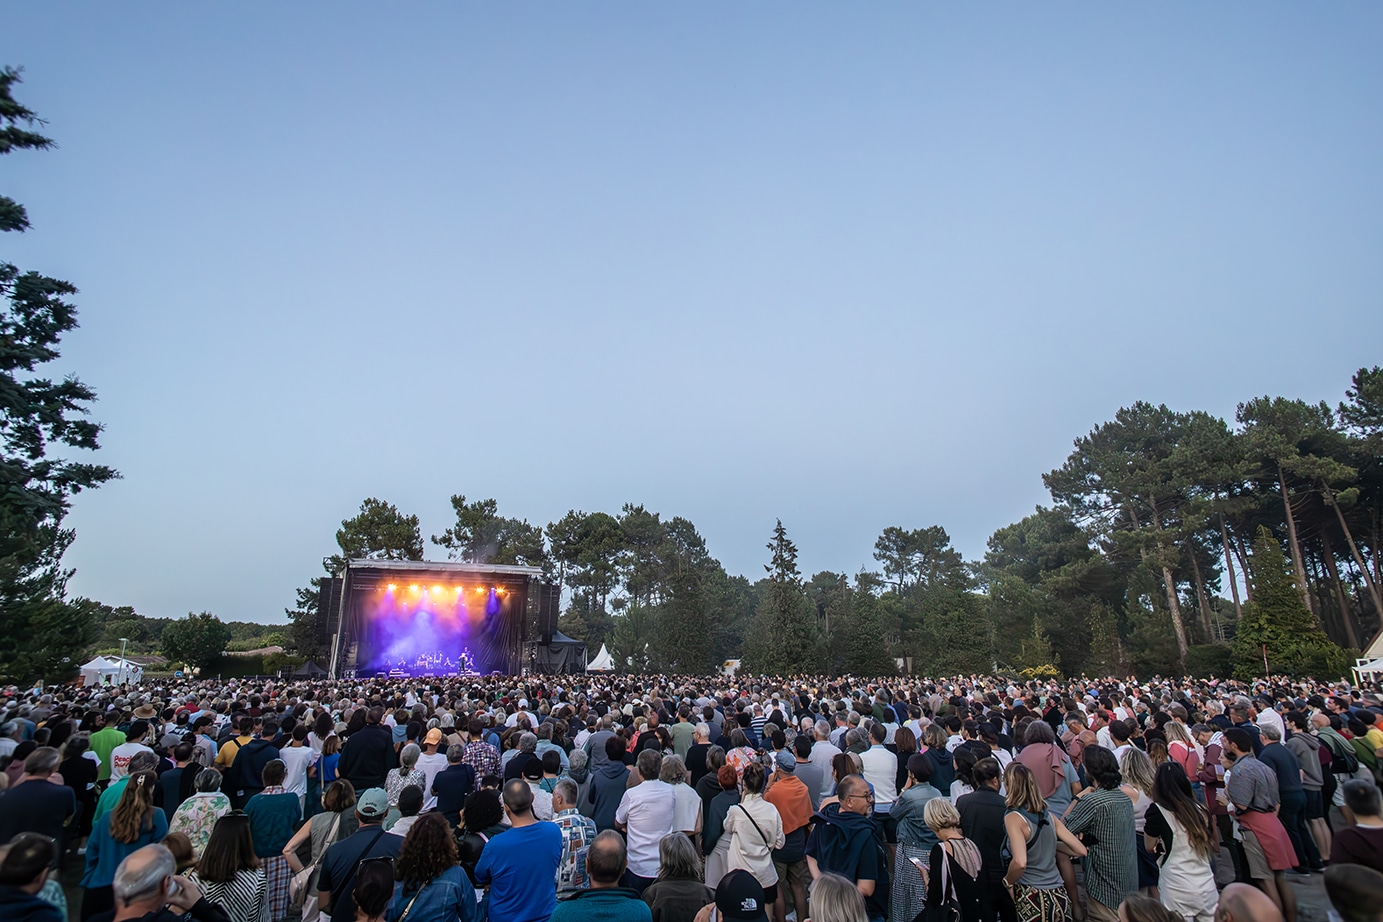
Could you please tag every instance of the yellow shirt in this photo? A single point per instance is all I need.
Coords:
(1375, 738)
(226, 756)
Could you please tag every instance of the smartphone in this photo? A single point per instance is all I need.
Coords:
(917, 863)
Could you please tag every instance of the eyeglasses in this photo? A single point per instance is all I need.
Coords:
(868, 798)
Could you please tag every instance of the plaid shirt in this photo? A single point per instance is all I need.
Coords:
(1112, 868)
(577, 834)
(482, 757)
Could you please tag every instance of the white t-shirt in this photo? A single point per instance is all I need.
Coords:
(431, 765)
(686, 808)
(120, 758)
(296, 759)
(881, 771)
(648, 810)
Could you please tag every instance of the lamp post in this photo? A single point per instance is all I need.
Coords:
(124, 670)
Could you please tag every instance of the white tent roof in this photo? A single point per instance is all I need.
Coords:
(603, 662)
(94, 672)
(1371, 667)
(102, 662)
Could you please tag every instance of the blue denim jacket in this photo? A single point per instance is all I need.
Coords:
(448, 897)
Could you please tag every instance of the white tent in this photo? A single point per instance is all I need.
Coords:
(603, 662)
(110, 670)
(1368, 668)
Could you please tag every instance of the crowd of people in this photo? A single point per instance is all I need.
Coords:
(687, 799)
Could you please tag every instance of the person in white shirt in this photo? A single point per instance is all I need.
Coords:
(431, 763)
(880, 769)
(297, 759)
(120, 756)
(1267, 717)
(645, 814)
(823, 755)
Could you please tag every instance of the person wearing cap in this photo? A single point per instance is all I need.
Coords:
(739, 897)
(792, 798)
(607, 899)
(336, 879)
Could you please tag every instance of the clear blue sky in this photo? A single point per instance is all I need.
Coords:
(848, 266)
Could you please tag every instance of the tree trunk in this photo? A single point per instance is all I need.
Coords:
(1200, 592)
(1358, 559)
(1346, 610)
(1293, 545)
(1173, 604)
(1243, 556)
(1229, 570)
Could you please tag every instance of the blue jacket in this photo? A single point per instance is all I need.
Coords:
(104, 854)
(18, 906)
(448, 897)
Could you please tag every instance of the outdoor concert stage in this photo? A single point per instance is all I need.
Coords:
(432, 618)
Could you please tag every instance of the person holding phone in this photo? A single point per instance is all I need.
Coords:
(148, 889)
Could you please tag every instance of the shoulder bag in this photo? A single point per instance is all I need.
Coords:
(297, 887)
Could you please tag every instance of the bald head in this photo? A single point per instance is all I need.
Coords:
(140, 878)
(1246, 903)
(852, 791)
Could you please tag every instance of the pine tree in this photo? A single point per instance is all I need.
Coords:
(783, 639)
(1278, 626)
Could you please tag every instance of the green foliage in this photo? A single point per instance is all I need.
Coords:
(1210, 659)
(1278, 626)
(197, 640)
(783, 639)
(481, 535)
(42, 422)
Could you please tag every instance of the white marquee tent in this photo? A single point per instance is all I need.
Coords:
(111, 670)
(603, 662)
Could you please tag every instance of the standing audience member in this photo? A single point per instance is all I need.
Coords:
(645, 815)
(847, 842)
(319, 833)
(955, 866)
(1032, 877)
(1251, 796)
(336, 875)
(609, 783)
(36, 804)
(679, 893)
(1178, 835)
(606, 900)
(982, 822)
(368, 754)
(197, 815)
(453, 785)
(755, 829)
(274, 817)
(715, 844)
(1106, 813)
(432, 886)
(835, 899)
(793, 801)
(25, 865)
(578, 832)
(133, 824)
(520, 867)
(915, 838)
(149, 889)
(229, 873)
(1361, 843)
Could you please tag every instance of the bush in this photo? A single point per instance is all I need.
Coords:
(1207, 659)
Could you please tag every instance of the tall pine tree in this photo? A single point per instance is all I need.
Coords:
(784, 637)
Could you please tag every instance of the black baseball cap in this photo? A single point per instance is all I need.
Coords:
(739, 896)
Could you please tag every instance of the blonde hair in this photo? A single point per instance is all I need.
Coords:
(134, 813)
(1177, 733)
(1023, 792)
(940, 814)
(1137, 770)
(836, 899)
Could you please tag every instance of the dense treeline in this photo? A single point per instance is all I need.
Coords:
(1166, 547)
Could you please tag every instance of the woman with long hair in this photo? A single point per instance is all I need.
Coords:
(196, 817)
(1035, 834)
(134, 823)
(1138, 771)
(836, 899)
(1183, 751)
(955, 865)
(1177, 833)
(336, 821)
(1058, 782)
(755, 829)
(678, 894)
(228, 873)
(431, 884)
(326, 763)
(904, 746)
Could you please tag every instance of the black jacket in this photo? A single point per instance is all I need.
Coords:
(367, 757)
(982, 821)
(452, 785)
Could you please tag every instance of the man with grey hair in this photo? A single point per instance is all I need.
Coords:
(36, 804)
(515, 759)
(148, 889)
(824, 753)
(10, 731)
(453, 784)
(645, 814)
(577, 834)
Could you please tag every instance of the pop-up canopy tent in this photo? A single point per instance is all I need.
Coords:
(111, 670)
(309, 670)
(562, 654)
(603, 662)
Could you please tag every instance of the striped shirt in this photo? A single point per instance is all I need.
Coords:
(1112, 870)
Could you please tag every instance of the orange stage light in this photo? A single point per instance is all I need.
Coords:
(437, 589)
(392, 587)
(413, 589)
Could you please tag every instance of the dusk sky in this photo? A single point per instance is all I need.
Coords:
(847, 266)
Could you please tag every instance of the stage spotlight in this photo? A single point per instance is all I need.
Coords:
(437, 589)
(413, 589)
(459, 590)
(392, 587)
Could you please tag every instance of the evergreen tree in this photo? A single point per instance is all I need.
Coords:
(1277, 625)
(783, 639)
(41, 420)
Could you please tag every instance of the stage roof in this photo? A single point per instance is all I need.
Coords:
(449, 566)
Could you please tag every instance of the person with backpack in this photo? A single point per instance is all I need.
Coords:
(847, 841)
(336, 874)
(246, 776)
